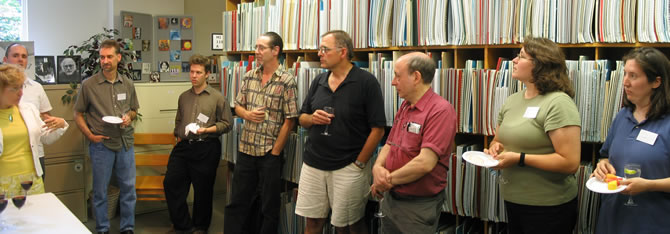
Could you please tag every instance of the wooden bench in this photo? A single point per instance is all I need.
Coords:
(150, 188)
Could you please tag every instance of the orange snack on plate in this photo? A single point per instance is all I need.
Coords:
(611, 176)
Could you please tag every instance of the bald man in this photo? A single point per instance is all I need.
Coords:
(411, 170)
(33, 93)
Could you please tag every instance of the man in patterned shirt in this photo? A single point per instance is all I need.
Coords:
(267, 103)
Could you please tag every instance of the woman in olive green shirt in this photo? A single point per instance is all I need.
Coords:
(537, 143)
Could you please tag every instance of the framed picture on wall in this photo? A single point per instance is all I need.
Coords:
(68, 69)
(45, 69)
(217, 41)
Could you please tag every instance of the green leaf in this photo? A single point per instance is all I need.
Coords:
(69, 91)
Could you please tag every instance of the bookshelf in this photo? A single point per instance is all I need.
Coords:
(590, 45)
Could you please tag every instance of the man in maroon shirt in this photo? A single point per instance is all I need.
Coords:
(411, 170)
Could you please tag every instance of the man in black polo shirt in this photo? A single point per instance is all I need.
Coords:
(340, 143)
(202, 116)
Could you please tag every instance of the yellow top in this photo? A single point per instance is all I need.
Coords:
(16, 158)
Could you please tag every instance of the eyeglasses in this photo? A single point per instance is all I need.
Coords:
(260, 47)
(524, 56)
(324, 49)
(15, 89)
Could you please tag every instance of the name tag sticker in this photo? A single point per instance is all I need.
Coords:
(531, 112)
(647, 137)
(121, 96)
(414, 128)
(203, 118)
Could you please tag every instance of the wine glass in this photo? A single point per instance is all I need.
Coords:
(631, 170)
(379, 215)
(19, 200)
(197, 121)
(26, 186)
(3, 205)
(329, 110)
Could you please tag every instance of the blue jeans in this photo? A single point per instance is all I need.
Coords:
(103, 161)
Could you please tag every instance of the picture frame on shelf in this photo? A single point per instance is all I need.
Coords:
(68, 69)
(45, 70)
(217, 41)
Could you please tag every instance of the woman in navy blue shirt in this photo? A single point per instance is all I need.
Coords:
(640, 134)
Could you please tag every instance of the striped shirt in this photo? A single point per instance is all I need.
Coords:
(278, 96)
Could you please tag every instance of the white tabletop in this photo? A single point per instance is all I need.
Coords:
(42, 213)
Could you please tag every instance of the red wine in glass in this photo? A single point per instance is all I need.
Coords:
(3, 204)
(26, 185)
(19, 201)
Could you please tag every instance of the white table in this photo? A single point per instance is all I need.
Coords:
(42, 213)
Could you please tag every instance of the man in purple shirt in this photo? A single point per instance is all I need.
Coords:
(411, 170)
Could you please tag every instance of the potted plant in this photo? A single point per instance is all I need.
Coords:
(90, 58)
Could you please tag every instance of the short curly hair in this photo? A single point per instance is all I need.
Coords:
(200, 60)
(11, 74)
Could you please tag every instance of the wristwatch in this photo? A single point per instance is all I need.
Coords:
(359, 164)
(522, 159)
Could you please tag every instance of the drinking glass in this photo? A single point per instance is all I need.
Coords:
(329, 110)
(631, 170)
(197, 121)
(26, 186)
(3, 205)
(19, 200)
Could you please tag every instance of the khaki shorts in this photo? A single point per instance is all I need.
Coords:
(344, 191)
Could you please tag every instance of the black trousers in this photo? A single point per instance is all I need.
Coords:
(542, 219)
(193, 162)
(249, 171)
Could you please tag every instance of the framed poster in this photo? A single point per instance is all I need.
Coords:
(217, 41)
(45, 69)
(68, 69)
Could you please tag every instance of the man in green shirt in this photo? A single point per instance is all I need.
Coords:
(202, 116)
(110, 94)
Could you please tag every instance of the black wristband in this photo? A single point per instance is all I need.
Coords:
(522, 157)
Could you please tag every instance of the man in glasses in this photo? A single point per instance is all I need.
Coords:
(33, 93)
(411, 169)
(333, 175)
(267, 102)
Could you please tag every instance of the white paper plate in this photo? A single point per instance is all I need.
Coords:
(112, 119)
(594, 184)
(479, 158)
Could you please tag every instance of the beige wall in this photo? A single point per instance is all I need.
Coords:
(207, 20)
(55, 25)
(151, 7)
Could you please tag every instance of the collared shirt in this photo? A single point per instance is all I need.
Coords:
(431, 123)
(209, 105)
(359, 106)
(623, 146)
(99, 97)
(278, 96)
(33, 93)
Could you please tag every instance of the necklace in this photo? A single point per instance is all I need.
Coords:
(11, 118)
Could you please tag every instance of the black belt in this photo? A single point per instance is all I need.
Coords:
(207, 139)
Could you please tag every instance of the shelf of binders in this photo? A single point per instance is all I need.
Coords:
(475, 68)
